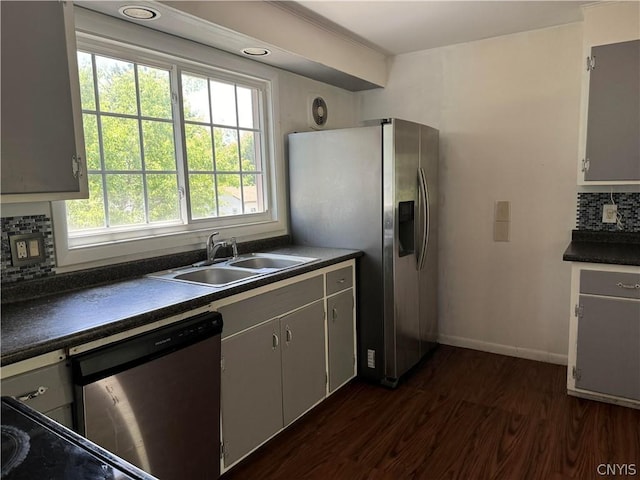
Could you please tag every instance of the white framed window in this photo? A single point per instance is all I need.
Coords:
(174, 147)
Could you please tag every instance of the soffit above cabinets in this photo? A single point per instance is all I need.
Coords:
(296, 44)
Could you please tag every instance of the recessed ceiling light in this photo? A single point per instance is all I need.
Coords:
(139, 12)
(255, 51)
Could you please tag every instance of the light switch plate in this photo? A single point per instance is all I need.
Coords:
(503, 211)
(501, 231)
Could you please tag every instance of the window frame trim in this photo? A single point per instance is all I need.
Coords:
(154, 239)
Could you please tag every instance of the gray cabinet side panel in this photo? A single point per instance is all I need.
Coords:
(340, 333)
(613, 123)
(303, 360)
(38, 138)
(251, 390)
(608, 350)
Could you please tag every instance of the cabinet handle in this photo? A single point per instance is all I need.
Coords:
(334, 314)
(288, 333)
(276, 341)
(628, 286)
(342, 280)
(36, 393)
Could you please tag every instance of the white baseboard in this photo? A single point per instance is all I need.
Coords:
(528, 353)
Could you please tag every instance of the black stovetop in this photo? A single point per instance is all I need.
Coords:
(34, 446)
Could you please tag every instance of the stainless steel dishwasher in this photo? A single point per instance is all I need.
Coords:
(154, 399)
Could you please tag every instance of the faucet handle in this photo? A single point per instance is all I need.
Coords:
(234, 246)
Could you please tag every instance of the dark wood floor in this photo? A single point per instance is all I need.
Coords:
(462, 414)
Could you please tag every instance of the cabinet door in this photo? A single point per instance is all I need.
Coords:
(56, 394)
(613, 123)
(39, 74)
(608, 350)
(251, 389)
(303, 360)
(341, 341)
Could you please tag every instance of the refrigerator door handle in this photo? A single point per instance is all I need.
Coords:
(424, 199)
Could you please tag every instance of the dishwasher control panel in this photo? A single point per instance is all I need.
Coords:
(116, 357)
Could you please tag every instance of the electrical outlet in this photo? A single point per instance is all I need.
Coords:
(21, 249)
(609, 213)
(27, 249)
(371, 358)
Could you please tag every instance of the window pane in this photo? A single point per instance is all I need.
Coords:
(223, 103)
(155, 92)
(250, 151)
(229, 195)
(89, 213)
(247, 107)
(252, 193)
(199, 149)
(126, 199)
(162, 190)
(91, 144)
(202, 195)
(195, 98)
(121, 143)
(116, 86)
(226, 148)
(85, 72)
(159, 149)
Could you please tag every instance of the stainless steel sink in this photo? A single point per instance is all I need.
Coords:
(262, 261)
(234, 270)
(217, 276)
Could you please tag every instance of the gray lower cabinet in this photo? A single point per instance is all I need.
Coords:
(48, 390)
(284, 350)
(608, 350)
(303, 360)
(251, 389)
(341, 338)
(604, 333)
(271, 374)
(613, 119)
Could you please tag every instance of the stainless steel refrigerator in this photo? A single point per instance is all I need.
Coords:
(374, 188)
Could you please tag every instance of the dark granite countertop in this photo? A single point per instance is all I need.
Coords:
(62, 320)
(616, 248)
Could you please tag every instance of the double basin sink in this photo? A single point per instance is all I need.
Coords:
(233, 270)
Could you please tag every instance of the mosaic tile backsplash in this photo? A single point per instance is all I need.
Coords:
(19, 226)
(590, 211)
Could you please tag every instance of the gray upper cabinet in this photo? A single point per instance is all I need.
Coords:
(613, 119)
(42, 147)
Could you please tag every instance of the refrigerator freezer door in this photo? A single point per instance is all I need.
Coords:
(401, 141)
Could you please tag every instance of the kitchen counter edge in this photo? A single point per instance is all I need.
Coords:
(18, 348)
(604, 247)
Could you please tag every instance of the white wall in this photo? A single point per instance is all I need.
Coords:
(508, 111)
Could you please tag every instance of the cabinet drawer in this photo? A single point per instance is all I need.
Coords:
(55, 378)
(252, 311)
(339, 280)
(612, 284)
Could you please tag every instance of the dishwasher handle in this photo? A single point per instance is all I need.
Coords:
(130, 352)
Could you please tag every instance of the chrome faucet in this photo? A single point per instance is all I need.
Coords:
(212, 248)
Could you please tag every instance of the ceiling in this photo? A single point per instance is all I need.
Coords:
(343, 43)
(397, 27)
